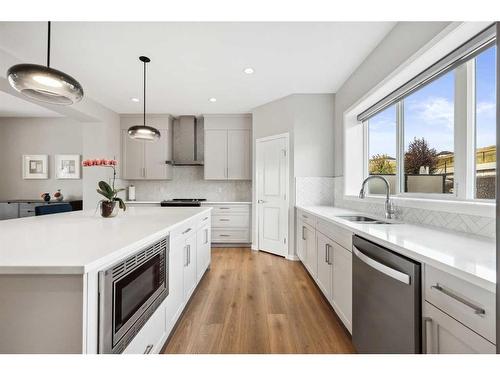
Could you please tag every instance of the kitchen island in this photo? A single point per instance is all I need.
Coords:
(49, 268)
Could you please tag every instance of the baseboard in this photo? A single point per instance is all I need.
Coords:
(230, 244)
(292, 257)
(254, 248)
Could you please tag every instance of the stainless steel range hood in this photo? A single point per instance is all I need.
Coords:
(187, 141)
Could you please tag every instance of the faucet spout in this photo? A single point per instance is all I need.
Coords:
(389, 207)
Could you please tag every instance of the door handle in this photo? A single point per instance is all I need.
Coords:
(186, 256)
(148, 349)
(477, 310)
(303, 233)
(261, 201)
(426, 320)
(391, 272)
(189, 254)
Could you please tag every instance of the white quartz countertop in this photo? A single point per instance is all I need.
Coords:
(203, 203)
(470, 257)
(80, 241)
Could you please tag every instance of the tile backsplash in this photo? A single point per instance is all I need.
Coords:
(188, 182)
(480, 225)
(314, 191)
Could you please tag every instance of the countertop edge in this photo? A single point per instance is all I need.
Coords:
(487, 284)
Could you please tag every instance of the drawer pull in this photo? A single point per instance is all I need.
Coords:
(224, 235)
(223, 219)
(477, 310)
(205, 218)
(148, 349)
(224, 208)
(187, 230)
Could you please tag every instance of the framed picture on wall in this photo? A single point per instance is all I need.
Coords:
(35, 167)
(67, 167)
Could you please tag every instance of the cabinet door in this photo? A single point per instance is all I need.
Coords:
(175, 299)
(202, 251)
(155, 157)
(311, 252)
(189, 266)
(342, 284)
(444, 335)
(215, 154)
(301, 243)
(238, 155)
(324, 254)
(133, 157)
(8, 210)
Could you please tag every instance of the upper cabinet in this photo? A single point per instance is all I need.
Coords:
(142, 160)
(228, 145)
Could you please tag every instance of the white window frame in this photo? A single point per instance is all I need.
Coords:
(464, 134)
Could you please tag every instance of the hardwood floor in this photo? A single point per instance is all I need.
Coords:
(254, 302)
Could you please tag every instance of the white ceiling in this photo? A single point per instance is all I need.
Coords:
(12, 106)
(192, 62)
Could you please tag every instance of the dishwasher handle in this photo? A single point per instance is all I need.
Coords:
(391, 272)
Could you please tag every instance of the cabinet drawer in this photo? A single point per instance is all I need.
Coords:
(226, 209)
(231, 221)
(307, 218)
(469, 304)
(230, 235)
(184, 230)
(150, 337)
(340, 235)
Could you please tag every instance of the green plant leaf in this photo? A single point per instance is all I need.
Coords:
(104, 186)
(121, 203)
(104, 194)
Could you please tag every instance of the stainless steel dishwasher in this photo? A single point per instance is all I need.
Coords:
(386, 303)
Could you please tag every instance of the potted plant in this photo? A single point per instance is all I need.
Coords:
(108, 205)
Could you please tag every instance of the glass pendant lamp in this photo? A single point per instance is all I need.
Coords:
(144, 132)
(43, 83)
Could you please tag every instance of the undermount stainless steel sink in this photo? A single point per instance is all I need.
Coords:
(363, 219)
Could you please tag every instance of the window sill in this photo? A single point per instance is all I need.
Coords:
(467, 207)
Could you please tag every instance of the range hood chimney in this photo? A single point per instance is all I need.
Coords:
(187, 141)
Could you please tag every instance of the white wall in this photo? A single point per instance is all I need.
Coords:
(401, 43)
(19, 136)
(308, 118)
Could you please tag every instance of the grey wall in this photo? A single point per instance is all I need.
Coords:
(19, 136)
(308, 118)
(401, 43)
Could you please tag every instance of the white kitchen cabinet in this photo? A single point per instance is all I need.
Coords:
(143, 160)
(190, 275)
(230, 223)
(238, 154)
(311, 251)
(215, 154)
(301, 241)
(325, 266)
(444, 335)
(8, 210)
(132, 158)
(203, 249)
(342, 284)
(228, 145)
(175, 298)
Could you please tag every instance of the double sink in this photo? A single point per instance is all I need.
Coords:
(363, 219)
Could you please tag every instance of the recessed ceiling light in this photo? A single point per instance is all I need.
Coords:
(135, 100)
(248, 70)
(212, 100)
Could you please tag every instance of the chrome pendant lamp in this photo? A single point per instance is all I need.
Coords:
(44, 83)
(144, 132)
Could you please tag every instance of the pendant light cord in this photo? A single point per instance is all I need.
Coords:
(144, 115)
(48, 47)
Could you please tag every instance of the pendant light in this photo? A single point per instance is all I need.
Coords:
(44, 83)
(143, 132)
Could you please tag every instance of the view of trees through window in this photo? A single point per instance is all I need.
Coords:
(428, 139)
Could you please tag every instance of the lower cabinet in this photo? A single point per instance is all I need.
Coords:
(342, 284)
(190, 276)
(311, 256)
(444, 335)
(203, 248)
(325, 264)
(151, 337)
(175, 298)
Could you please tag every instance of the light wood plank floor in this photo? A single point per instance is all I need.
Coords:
(254, 302)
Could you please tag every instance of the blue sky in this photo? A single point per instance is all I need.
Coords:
(429, 112)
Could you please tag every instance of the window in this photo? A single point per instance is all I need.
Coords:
(485, 109)
(435, 136)
(382, 149)
(429, 137)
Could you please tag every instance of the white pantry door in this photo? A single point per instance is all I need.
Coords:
(272, 193)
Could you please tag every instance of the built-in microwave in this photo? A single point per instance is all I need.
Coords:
(129, 293)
